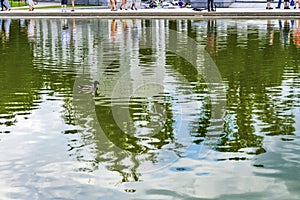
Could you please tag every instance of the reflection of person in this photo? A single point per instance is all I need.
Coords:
(286, 32)
(31, 29)
(211, 37)
(113, 30)
(210, 5)
(135, 33)
(297, 33)
(22, 23)
(124, 25)
(7, 28)
(73, 33)
(270, 31)
(65, 35)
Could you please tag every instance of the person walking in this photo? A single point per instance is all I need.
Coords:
(31, 5)
(73, 5)
(5, 3)
(286, 4)
(269, 5)
(210, 5)
(133, 5)
(278, 4)
(295, 5)
(64, 5)
(113, 5)
(123, 5)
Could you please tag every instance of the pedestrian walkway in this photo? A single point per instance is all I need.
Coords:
(236, 10)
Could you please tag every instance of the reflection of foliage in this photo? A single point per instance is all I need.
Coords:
(182, 66)
(200, 128)
(186, 69)
(123, 150)
(20, 82)
(114, 133)
(250, 69)
(146, 55)
(239, 128)
(68, 112)
(277, 116)
(128, 140)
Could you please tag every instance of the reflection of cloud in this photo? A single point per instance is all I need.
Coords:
(65, 33)
(35, 143)
(209, 180)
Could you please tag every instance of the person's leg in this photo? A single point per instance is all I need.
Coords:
(73, 5)
(113, 5)
(63, 6)
(279, 4)
(6, 4)
(31, 4)
(121, 5)
(212, 5)
(2, 5)
(269, 5)
(133, 7)
(286, 4)
(208, 5)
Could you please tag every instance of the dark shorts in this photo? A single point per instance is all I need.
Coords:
(64, 2)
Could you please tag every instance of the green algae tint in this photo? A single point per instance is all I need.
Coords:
(156, 128)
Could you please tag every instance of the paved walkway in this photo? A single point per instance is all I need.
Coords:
(237, 10)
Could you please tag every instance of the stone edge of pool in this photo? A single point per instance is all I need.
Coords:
(240, 13)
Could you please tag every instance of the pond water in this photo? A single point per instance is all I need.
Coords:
(185, 109)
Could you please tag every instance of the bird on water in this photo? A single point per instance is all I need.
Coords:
(90, 88)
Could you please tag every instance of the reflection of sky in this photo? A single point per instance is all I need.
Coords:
(36, 153)
(37, 162)
(210, 179)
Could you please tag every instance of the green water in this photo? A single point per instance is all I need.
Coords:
(185, 109)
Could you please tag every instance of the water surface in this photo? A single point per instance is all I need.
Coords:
(186, 109)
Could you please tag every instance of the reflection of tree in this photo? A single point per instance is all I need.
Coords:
(20, 81)
(211, 44)
(126, 149)
(239, 128)
(124, 146)
(250, 70)
(68, 111)
(186, 69)
(249, 74)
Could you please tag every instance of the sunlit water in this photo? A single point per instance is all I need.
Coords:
(185, 109)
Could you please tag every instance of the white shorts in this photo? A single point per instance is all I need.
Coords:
(30, 2)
